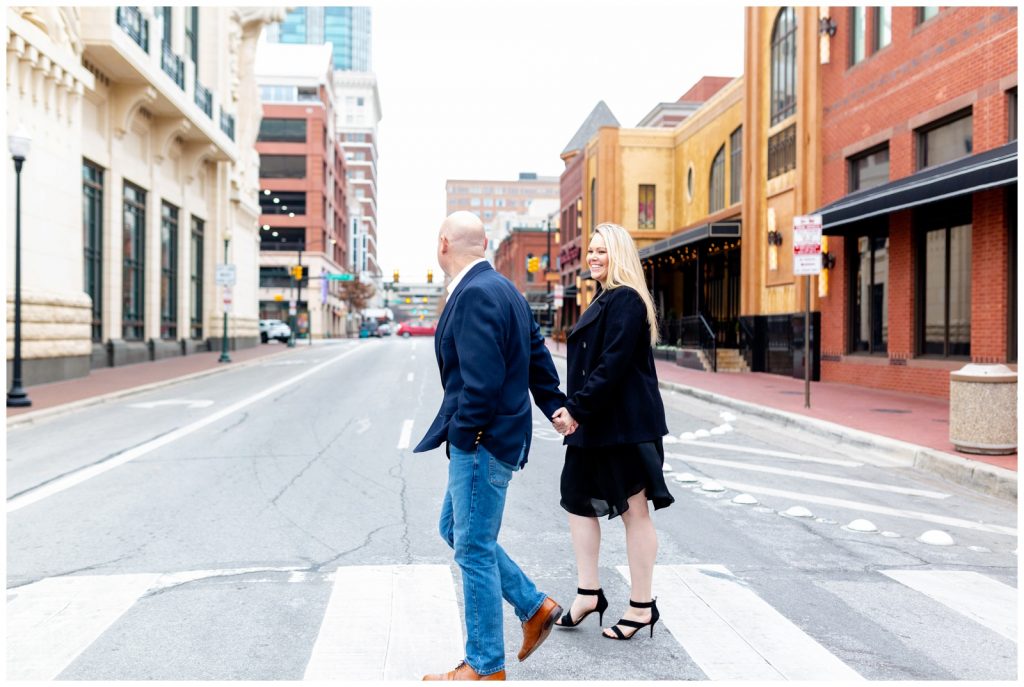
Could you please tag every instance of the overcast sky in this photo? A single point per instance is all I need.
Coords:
(488, 89)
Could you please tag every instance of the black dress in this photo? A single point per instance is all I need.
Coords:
(613, 393)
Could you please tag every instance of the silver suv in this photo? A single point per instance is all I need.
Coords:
(274, 329)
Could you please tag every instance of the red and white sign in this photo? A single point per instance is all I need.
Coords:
(806, 245)
(226, 298)
(559, 294)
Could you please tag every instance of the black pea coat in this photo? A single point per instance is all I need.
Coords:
(612, 386)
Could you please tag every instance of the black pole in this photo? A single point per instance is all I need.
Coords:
(224, 357)
(16, 397)
(547, 283)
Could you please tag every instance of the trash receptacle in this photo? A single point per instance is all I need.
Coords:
(983, 409)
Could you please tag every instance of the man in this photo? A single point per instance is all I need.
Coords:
(491, 355)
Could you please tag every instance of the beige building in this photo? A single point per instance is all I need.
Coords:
(142, 167)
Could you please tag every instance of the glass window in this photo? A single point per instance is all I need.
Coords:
(168, 271)
(293, 28)
(883, 27)
(946, 317)
(926, 13)
(858, 37)
(869, 169)
(92, 228)
(283, 238)
(474, 202)
(736, 164)
(283, 166)
(192, 34)
(593, 204)
(283, 203)
(869, 311)
(1011, 110)
(950, 139)
(285, 130)
(164, 12)
(783, 66)
(782, 152)
(133, 272)
(196, 279)
(645, 216)
(716, 182)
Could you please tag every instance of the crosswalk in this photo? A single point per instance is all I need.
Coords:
(373, 621)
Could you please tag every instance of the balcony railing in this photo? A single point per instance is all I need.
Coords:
(227, 124)
(204, 99)
(135, 25)
(173, 65)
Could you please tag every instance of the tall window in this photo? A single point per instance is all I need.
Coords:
(948, 139)
(168, 271)
(92, 230)
(782, 151)
(945, 322)
(869, 312)
(783, 66)
(165, 13)
(283, 166)
(529, 274)
(858, 33)
(926, 13)
(869, 169)
(645, 216)
(133, 273)
(285, 130)
(593, 204)
(883, 27)
(196, 279)
(192, 35)
(736, 165)
(1011, 111)
(716, 183)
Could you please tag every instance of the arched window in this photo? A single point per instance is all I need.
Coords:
(783, 66)
(716, 184)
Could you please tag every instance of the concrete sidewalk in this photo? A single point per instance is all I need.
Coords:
(912, 427)
(109, 383)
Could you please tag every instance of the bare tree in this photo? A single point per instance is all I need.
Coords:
(356, 294)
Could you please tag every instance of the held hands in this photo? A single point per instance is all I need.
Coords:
(564, 422)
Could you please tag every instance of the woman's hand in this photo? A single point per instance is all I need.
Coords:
(564, 422)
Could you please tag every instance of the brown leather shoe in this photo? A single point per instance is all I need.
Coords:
(537, 628)
(464, 672)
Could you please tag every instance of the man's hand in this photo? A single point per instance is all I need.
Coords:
(564, 422)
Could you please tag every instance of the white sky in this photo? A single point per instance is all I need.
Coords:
(489, 89)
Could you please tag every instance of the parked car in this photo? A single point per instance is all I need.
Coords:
(384, 329)
(274, 329)
(368, 329)
(414, 328)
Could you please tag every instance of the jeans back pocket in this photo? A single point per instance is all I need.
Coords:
(499, 473)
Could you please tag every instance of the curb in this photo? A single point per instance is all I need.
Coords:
(54, 411)
(982, 477)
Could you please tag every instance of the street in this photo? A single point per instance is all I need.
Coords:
(272, 523)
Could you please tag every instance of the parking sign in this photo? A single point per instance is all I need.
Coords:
(806, 245)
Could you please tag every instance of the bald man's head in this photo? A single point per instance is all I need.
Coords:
(461, 240)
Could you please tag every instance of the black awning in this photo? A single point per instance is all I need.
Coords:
(730, 229)
(996, 167)
(569, 292)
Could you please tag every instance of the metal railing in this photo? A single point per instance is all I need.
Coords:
(172, 65)
(204, 99)
(135, 25)
(227, 124)
(697, 333)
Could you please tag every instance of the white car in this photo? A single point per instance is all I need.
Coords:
(274, 329)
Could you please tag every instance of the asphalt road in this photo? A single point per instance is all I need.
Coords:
(272, 523)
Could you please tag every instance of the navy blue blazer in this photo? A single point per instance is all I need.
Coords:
(491, 356)
(612, 383)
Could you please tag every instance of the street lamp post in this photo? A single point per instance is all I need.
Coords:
(19, 144)
(224, 357)
(547, 282)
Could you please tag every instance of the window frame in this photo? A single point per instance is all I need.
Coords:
(877, 229)
(92, 242)
(133, 265)
(197, 259)
(291, 174)
(283, 137)
(943, 216)
(858, 20)
(922, 132)
(646, 206)
(736, 165)
(876, 21)
(716, 182)
(169, 219)
(782, 69)
(851, 166)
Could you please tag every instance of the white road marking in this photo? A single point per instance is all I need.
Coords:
(406, 436)
(800, 474)
(172, 402)
(388, 623)
(871, 508)
(410, 377)
(51, 622)
(982, 599)
(776, 454)
(363, 425)
(59, 485)
(733, 634)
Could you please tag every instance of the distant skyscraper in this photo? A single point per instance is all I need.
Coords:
(347, 28)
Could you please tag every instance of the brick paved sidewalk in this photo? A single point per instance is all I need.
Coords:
(920, 420)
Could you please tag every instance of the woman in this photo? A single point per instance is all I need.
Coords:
(613, 422)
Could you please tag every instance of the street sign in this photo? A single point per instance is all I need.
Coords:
(225, 275)
(559, 295)
(553, 276)
(291, 307)
(806, 245)
(227, 298)
(339, 277)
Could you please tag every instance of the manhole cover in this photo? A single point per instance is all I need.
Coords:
(896, 411)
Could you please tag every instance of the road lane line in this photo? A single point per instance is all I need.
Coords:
(982, 599)
(406, 435)
(49, 489)
(389, 622)
(410, 377)
(776, 454)
(51, 622)
(733, 634)
(800, 474)
(870, 508)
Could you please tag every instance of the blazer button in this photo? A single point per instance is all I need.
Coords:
(584, 344)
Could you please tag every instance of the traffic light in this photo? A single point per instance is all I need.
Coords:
(430, 276)
(299, 272)
(394, 277)
(533, 264)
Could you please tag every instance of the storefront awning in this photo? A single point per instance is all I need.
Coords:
(996, 167)
(714, 230)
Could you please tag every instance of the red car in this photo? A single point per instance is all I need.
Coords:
(408, 329)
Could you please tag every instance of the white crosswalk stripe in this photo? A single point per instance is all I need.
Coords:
(733, 634)
(982, 599)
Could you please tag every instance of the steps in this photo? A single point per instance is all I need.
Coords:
(729, 360)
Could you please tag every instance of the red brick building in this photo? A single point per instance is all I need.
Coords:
(512, 257)
(919, 194)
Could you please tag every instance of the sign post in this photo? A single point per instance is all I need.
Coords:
(807, 262)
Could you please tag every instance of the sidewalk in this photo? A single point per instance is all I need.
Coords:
(905, 425)
(114, 382)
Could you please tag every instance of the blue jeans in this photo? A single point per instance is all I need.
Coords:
(470, 520)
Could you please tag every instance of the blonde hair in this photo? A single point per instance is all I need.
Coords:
(624, 268)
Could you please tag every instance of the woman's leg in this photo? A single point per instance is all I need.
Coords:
(586, 544)
(641, 550)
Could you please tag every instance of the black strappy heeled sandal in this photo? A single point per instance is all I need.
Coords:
(619, 634)
(602, 605)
